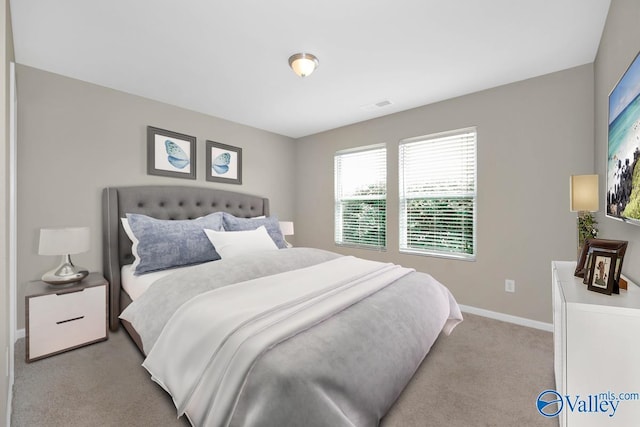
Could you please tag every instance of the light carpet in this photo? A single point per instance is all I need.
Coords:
(487, 373)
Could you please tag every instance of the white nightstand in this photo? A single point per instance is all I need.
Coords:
(59, 319)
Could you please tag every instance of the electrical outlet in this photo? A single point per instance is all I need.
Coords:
(509, 285)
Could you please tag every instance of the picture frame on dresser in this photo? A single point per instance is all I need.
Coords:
(602, 272)
(619, 247)
(587, 268)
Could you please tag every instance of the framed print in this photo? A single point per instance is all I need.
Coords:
(602, 271)
(224, 163)
(170, 154)
(617, 246)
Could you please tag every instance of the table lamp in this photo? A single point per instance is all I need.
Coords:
(65, 242)
(584, 200)
(286, 227)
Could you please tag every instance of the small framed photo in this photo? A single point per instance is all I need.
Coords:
(602, 271)
(170, 154)
(617, 246)
(587, 268)
(223, 163)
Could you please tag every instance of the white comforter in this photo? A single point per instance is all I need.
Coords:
(204, 354)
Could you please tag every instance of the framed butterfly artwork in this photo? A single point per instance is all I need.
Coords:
(170, 153)
(224, 163)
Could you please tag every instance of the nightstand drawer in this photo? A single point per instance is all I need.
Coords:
(65, 320)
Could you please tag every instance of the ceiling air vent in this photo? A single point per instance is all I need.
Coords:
(377, 105)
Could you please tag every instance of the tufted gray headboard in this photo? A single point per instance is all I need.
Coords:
(163, 202)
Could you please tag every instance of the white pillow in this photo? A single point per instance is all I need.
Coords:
(233, 243)
(127, 229)
(134, 240)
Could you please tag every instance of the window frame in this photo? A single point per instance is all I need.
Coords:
(339, 227)
(403, 244)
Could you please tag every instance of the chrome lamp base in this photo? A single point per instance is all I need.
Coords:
(65, 273)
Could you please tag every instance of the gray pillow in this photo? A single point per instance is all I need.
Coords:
(163, 244)
(271, 223)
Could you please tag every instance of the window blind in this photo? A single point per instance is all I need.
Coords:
(438, 194)
(361, 197)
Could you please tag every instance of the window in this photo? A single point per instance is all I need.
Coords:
(361, 197)
(438, 194)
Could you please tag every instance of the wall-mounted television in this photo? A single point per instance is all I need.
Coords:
(623, 177)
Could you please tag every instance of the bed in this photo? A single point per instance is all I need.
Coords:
(294, 336)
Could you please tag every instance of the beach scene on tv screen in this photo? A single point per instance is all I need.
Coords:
(623, 178)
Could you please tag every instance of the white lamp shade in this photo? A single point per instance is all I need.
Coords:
(584, 193)
(63, 241)
(287, 228)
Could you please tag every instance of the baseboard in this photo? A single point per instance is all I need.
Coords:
(522, 321)
(20, 333)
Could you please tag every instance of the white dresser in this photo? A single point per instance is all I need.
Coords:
(596, 351)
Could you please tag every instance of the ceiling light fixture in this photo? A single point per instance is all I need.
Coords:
(303, 64)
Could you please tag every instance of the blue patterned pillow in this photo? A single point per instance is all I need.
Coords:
(271, 223)
(162, 244)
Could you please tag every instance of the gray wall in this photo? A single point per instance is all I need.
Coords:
(76, 138)
(619, 45)
(6, 46)
(532, 135)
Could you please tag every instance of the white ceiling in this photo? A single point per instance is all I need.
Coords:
(229, 58)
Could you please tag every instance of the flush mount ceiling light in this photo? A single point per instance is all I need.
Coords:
(303, 64)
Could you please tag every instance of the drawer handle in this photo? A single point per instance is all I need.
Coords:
(69, 320)
(69, 292)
